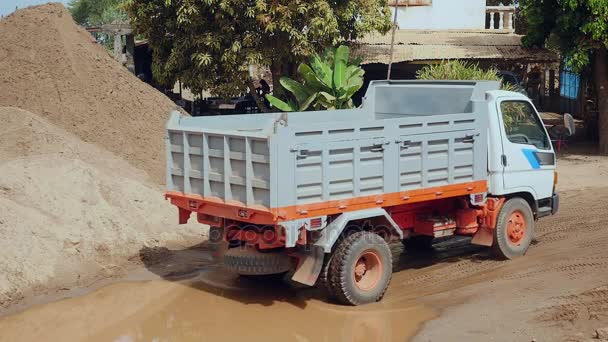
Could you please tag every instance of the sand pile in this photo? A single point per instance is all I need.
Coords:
(52, 67)
(69, 210)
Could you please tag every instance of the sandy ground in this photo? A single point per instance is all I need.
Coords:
(81, 161)
(71, 212)
(557, 292)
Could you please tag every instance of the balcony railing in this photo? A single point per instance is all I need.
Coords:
(501, 18)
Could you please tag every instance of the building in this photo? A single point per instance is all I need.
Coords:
(439, 14)
(429, 31)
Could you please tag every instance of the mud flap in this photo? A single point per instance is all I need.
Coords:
(309, 266)
(483, 237)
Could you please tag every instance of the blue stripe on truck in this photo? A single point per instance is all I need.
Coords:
(532, 158)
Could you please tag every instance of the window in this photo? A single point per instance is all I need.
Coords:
(523, 125)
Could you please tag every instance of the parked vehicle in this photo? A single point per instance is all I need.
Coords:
(322, 194)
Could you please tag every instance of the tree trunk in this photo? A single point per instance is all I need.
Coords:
(600, 75)
(259, 101)
(276, 70)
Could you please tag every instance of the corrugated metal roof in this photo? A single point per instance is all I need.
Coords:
(412, 45)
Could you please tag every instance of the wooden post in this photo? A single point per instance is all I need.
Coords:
(118, 47)
(552, 82)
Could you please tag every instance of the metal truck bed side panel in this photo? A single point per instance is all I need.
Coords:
(341, 161)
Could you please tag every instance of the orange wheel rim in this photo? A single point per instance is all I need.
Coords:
(516, 227)
(368, 270)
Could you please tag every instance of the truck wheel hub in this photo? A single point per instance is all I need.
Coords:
(516, 227)
(368, 270)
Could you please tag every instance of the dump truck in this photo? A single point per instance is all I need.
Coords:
(320, 195)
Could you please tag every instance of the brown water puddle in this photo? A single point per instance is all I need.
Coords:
(212, 306)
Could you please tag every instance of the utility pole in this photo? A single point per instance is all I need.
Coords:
(390, 61)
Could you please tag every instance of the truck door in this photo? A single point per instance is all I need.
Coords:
(528, 158)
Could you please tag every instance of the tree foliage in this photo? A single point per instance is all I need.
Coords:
(580, 28)
(210, 44)
(96, 12)
(328, 82)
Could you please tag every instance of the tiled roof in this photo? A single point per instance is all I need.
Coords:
(414, 45)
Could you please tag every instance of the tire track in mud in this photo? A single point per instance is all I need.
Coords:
(578, 226)
(573, 269)
(587, 305)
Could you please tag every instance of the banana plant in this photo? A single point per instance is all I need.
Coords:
(329, 82)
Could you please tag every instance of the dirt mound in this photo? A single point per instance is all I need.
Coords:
(52, 67)
(69, 210)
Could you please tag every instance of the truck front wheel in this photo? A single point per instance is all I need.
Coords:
(514, 229)
(360, 269)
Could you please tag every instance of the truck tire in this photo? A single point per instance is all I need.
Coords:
(514, 229)
(250, 262)
(360, 269)
(323, 280)
(418, 243)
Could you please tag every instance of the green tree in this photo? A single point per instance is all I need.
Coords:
(96, 12)
(580, 28)
(210, 44)
(329, 82)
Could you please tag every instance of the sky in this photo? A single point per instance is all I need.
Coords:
(8, 6)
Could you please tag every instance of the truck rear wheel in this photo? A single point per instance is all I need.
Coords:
(514, 229)
(248, 261)
(360, 269)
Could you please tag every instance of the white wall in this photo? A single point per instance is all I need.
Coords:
(444, 15)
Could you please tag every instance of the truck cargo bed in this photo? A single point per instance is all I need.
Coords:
(409, 138)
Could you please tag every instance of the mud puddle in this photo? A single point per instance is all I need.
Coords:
(197, 300)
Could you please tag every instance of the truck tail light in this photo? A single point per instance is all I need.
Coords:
(316, 222)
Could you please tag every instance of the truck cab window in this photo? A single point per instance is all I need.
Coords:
(522, 125)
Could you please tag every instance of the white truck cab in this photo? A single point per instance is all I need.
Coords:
(521, 158)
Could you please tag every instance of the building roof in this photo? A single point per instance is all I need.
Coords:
(419, 45)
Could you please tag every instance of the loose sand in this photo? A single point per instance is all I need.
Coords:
(80, 162)
(52, 67)
(71, 211)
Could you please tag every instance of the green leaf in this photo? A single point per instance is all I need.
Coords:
(322, 70)
(296, 88)
(339, 74)
(280, 104)
(340, 66)
(352, 90)
(354, 71)
(327, 96)
(311, 78)
(326, 104)
(342, 53)
(304, 106)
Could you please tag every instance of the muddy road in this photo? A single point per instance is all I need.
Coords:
(557, 292)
